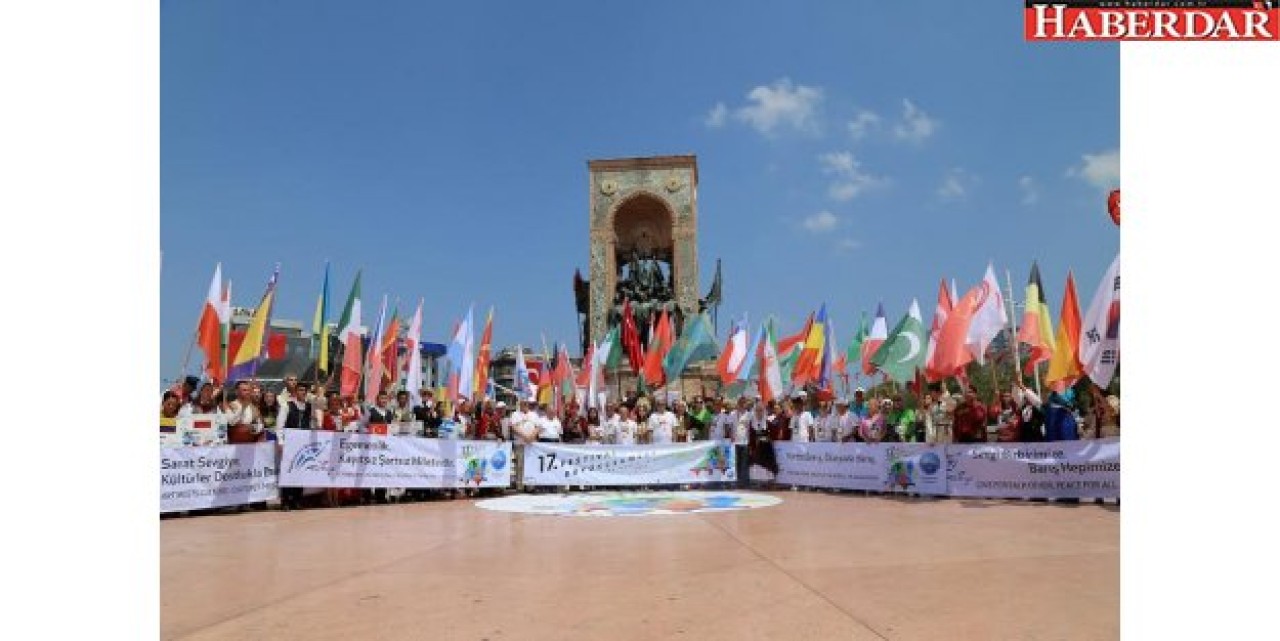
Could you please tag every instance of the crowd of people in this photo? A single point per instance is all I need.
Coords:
(252, 413)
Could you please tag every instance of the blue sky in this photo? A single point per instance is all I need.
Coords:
(848, 152)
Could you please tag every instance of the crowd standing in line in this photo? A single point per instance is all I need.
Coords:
(249, 413)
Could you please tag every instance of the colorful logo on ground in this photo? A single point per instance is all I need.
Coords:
(308, 459)
(499, 460)
(629, 503)
(930, 463)
(717, 459)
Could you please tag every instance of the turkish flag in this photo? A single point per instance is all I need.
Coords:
(631, 338)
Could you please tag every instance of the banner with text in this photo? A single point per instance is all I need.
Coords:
(197, 478)
(339, 459)
(560, 464)
(1061, 469)
(846, 466)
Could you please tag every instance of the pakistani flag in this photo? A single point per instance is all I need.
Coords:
(903, 351)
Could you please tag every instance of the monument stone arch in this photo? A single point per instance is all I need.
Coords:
(643, 217)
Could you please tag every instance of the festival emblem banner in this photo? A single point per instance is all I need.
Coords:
(613, 465)
(917, 468)
(845, 466)
(1060, 469)
(196, 478)
(338, 459)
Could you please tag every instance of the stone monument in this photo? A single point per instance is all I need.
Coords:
(643, 231)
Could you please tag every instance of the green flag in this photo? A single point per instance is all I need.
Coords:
(904, 350)
(696, 343)
(612, 348)
(854, 353)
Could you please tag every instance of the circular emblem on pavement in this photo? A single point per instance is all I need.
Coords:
(629, 503)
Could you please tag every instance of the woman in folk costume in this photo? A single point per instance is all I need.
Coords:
(242, 417)
(1060, 416)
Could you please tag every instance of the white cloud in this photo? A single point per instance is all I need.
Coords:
(850, 179)
(717, 116)
(1102, 170)
(779, 106)
(1030, 191)
(956, 184)
(822, 221)
(847, 244)
(916, 125)
(863, 123)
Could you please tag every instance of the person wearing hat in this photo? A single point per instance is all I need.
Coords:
(801, 419)
(846, 423)
(859, 405)
(426, 413)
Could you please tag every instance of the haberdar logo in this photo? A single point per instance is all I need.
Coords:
(1152, 20)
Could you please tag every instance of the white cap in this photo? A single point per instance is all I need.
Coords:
(864, 391)
(800, 394)
(501, 405)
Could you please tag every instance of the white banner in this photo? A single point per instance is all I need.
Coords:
(196, 478)
(1060, 469)
(338, 459)
(846, 466)
(612, 465)
(916, 468)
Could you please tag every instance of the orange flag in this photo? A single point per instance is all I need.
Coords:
(951, 354)
(482, 360)
(659, 345)
(1064, 365)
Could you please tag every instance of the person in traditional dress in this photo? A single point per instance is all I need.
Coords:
(970, 420)
(761, 444)
(1060, 416)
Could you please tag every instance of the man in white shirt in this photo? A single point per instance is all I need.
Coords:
(822, 424)
(722, 426)
(627, 427)
(846, 423)
(612, 421)
(662, 425)
(549, 427)
(801, 420)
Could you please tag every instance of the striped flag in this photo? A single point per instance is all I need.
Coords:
(320, 324)
(251, 353)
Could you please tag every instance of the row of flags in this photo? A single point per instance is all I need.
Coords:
(961, 331)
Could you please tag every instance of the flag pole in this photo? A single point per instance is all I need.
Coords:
(1013, 329)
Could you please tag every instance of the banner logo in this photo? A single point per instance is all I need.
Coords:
(930, 463)
(308, 458)
(1246, 20)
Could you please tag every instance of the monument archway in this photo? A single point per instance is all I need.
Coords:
(643, 230)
